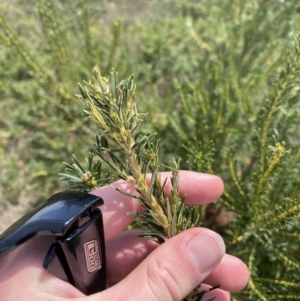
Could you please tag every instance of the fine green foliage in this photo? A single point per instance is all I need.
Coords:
(85, 177)
(220, 83)
(113, 106)
(39, 77)
(133, 156)
(240, 120)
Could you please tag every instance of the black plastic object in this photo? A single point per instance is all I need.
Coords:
(75, 218)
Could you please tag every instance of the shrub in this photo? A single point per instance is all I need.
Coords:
(219, 80)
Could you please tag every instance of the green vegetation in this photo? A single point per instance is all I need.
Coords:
(220, 83)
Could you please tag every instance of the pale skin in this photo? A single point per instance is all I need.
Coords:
(138, 269)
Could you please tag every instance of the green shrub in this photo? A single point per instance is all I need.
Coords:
(219, 80)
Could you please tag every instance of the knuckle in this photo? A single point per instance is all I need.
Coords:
(163, 279)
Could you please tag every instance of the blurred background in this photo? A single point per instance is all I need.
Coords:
(219, 80)
(171, 47)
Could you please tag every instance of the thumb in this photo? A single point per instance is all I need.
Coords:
(173, 270)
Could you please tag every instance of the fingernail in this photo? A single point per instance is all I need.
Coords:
(206, 250)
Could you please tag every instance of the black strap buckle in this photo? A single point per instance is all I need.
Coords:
(75, 218)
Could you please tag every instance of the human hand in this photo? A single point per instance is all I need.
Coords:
(137, 268)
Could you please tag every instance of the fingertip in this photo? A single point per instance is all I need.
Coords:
(231, 274)
(201, 188)
(216, 295)
(206, 249)
(242, 274)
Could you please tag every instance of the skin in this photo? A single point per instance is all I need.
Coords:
(137, 268)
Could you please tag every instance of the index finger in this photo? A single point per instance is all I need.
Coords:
(199, 188)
